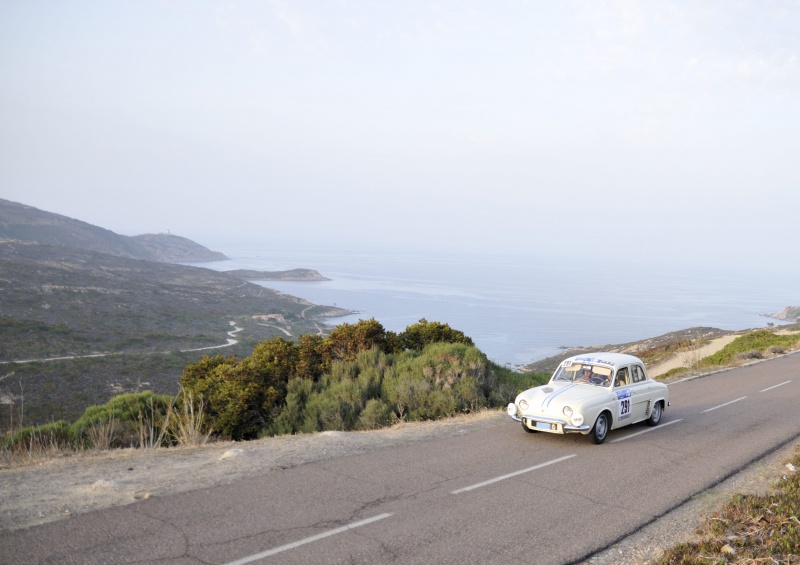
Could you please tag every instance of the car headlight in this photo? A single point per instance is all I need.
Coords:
(523, 404)
(567, 411)
(512, 409)
(577, 419)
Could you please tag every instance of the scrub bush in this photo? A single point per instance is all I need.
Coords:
(127, 420)
(376, 414)
(33, 441)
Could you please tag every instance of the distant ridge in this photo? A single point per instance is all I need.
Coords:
(26, 223)
(176, 249)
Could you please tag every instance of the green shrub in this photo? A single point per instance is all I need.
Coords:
(328, 383)
(323, 412)
(418, 336)
(675, 372)
(376, 414)
(290, 419)
(510, 383)
(346, 341)
(127, 420)
(242, 396)
(55, 435)
(443, 380)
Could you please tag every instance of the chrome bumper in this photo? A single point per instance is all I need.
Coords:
(565, 427)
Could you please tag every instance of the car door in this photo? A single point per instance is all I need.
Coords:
(640, 393)
(623, 413)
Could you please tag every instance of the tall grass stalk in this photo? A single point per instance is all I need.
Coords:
(101, 434)
(186, 421)
(36, 444)
(152, 429)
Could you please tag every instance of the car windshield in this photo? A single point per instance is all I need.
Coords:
(587, 373)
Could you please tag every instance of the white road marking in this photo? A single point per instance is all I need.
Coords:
(721, 405)
(514, 474)
(647, 430)
(298, 543)
(775, 386)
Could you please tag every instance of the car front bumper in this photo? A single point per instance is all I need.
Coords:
(551, 425)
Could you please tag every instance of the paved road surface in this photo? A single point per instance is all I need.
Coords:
(496, 495)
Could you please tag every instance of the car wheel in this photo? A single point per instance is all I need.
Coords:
(655, 414)
(527, 429)
(600, 429)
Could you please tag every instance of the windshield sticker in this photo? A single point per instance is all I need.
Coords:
(594, 360)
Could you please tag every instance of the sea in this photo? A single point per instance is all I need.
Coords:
(519, 309)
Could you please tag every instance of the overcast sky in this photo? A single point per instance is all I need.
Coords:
(661, 128)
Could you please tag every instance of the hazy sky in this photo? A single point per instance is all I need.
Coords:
(658, 128)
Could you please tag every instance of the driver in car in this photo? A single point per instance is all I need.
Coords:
(585, 376)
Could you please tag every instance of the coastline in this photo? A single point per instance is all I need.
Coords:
(520, 309)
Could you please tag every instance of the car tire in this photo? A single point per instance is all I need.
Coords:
(600, 429)
(527, 429)
(655, 414)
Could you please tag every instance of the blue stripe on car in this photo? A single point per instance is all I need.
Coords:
(550, 398)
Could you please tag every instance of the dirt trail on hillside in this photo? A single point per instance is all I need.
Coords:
(690, 358)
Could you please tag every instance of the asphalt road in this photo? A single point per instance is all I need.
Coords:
(497, 495)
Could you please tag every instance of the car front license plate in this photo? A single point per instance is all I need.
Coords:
(546, 426)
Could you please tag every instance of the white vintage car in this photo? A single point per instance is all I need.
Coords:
(592, 394)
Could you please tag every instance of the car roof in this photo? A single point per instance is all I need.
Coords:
(607, 358)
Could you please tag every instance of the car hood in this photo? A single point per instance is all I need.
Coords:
(551, 398)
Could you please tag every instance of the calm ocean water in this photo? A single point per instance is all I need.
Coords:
(521, 309)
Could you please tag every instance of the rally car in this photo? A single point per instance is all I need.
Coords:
(592, 394)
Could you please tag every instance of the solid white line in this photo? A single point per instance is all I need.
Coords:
(298, 543)
(647, 430)
(514, 474)
(721, 405)
(776, 386)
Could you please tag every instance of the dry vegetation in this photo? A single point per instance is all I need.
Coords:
(749, 529)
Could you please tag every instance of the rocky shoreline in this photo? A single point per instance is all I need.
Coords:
(290, 275)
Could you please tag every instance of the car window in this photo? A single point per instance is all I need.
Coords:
(622, 378)
(638, 374)
(586, 373)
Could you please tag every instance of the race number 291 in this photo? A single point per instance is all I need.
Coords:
(624, 408)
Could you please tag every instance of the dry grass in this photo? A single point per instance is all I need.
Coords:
(749, 529)
(185, 423)
(185, 420)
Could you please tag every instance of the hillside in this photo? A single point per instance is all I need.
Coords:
(87, 314)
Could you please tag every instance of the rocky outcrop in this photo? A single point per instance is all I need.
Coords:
(790, 314)
(290, 275)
